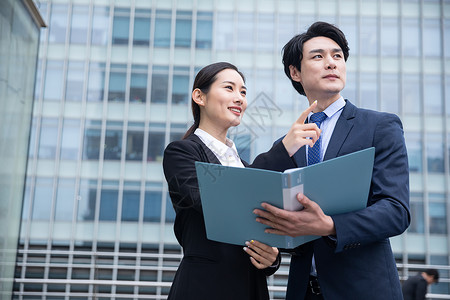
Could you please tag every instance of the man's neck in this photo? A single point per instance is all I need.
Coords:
(323, 103)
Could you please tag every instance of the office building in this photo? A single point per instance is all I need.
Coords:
(113, 89)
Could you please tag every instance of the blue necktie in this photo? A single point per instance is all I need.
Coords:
(314, 152)
(314, 158)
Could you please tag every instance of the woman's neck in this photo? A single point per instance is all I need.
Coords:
(219, 133)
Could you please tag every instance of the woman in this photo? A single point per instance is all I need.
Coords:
(209, 269)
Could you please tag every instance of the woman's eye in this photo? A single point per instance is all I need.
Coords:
(229, 87)
(244, 93)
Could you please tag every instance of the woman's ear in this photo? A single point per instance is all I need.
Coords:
(198, 97)
(295, 74)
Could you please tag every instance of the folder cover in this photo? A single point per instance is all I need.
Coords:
(230, 194)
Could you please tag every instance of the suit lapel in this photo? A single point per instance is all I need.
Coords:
(209, 154)
(341, 130)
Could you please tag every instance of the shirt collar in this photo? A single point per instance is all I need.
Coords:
(214, 144)
(333, 107)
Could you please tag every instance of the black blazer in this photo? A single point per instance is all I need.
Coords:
(209, 269)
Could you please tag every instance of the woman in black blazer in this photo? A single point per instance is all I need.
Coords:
(209, 269)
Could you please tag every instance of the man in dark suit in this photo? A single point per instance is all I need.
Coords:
(353, 259)
(415, 288)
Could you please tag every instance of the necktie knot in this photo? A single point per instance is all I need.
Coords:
(317, 118)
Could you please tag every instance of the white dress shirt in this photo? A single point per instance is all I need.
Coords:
(226, 153)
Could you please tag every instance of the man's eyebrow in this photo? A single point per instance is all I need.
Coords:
(231, 82)
(334, 50)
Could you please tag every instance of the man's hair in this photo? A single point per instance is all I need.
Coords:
(293, 50)
(434, 273)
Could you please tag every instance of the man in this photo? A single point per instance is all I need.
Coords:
(415, 288)
(353, 259)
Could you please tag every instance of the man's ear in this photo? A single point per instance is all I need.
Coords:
(295, 74)
(198, 96)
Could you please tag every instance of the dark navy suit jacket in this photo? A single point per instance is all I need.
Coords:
(358, 263)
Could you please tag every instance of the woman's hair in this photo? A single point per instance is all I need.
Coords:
(203, 81)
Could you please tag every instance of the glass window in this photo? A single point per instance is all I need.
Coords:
(141, 35)
(96, 81)
(92, 140)
(130, 206)
(70, 139)
(410, 37)
(138, 84)
(437, 214)
(121, 26)
(80, 21)
(203, 38)
(177, 134)
(390, 99)
(108, 204)
(431, 37)
(183, 29)
(31, 148)
(285, 29)
(113, 144)
(369, 36)
(369, 91)
(411, 94)
(135, 145)
(446, 36)
(155, 146)
(223, 36)
(100, 25)
(417, 214)
(350, 30)
(170, 212)
(117, 82)
(414, 148)
(86, 200)
(43, 195)
(58, 24)
(265, 33)
(48, 138)
(243, 145)
(65, 197)
(152, 206)
(432, 89)
(245, 31)
(54, 80)
(160, 81)
(389, 37)
(180, 90)
(162, 28)
(75, 81)
(435, 153)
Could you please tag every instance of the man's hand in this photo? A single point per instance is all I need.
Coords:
(309, 221)
(301, 134)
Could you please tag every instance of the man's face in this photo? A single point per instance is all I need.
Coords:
(323, 69)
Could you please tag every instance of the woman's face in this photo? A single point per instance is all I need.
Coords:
(224, 105)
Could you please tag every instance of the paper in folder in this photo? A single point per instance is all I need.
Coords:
(230, 194)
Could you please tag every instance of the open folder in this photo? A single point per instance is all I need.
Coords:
(230, 194)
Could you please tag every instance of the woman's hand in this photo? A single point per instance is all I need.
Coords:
(261, 255)
(301, 134)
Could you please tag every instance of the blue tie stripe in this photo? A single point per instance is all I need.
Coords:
(314, 152)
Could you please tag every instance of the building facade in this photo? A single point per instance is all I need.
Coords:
(20, 25)
(113, 89)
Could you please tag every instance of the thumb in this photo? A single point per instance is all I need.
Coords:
(302, 199)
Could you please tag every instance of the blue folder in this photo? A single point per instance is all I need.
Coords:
(230, 194)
